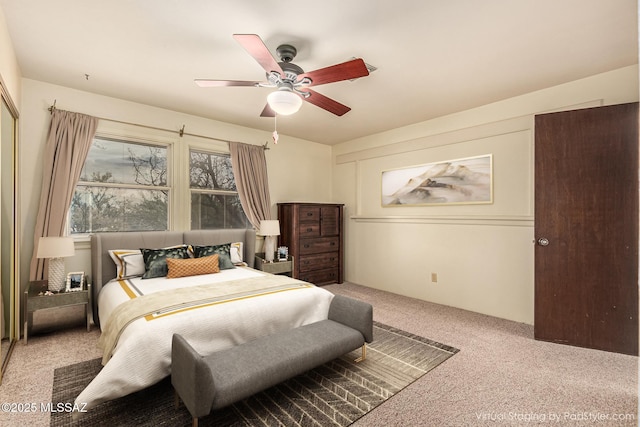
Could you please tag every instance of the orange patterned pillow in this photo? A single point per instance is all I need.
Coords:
(192, 266)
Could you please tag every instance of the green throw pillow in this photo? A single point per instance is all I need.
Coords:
(223, 251)
(155, 260)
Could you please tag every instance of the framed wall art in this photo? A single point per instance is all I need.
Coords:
(459, 181)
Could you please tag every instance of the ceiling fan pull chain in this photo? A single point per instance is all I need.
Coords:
(275, 129)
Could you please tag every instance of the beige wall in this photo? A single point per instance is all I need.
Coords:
(482, 254)
(298, 169)
(9, 69)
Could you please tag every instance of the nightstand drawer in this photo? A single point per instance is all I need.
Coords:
(319, 261)
(57, 300)
(323, 244)
(275, 267)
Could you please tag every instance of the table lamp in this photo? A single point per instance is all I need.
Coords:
(56, 248)
(270, 228)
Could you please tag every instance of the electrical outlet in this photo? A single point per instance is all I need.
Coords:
(434, 277)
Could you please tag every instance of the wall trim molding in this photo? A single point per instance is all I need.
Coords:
(490, 220)
(455, 136)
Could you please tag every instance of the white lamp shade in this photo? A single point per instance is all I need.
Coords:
(284, 102)
(269, 227)
(55, 247)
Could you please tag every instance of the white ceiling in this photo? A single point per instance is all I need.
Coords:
(434, 57)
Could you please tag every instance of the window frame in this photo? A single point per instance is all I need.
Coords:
(127, 134)
(221, 192)
(178, 166)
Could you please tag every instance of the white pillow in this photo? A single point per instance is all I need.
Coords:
(236, 253)
(129, 262)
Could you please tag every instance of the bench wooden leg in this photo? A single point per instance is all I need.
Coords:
(364, 354)
(194, 423)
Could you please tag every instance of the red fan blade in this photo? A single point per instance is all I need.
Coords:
(267, 112)
(335, 73)
(326, 103)
(253, 44)
(222, 83)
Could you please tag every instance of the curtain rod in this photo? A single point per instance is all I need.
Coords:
(180, 132)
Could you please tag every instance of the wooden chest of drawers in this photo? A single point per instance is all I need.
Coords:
(313, 234)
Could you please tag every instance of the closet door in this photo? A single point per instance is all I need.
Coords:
(9, 226)
(586, 228)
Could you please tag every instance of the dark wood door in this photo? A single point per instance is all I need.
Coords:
(586, 228)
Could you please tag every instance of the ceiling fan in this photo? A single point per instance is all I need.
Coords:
(292, 83)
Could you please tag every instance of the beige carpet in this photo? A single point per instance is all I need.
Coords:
(501, 377)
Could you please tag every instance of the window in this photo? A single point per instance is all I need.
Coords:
(214, 197)
(123, 187)
(127, 185)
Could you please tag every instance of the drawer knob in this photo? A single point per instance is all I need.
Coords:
(306, 246)
(309, 229)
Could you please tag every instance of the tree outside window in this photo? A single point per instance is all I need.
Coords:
(122, 187)
(214, 197)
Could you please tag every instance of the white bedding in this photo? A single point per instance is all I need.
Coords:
(142, 355)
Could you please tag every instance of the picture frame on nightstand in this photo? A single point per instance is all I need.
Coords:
(283, 253)
(75, 281)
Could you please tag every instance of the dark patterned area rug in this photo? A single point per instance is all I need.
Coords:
(335, 394)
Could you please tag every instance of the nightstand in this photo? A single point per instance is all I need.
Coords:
(275, 267)
(34, 300)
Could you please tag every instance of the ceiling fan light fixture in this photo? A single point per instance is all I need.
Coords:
(284, 102)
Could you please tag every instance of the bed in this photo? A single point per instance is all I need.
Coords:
(138, 315)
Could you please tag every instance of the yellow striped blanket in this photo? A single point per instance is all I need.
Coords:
(164, 303)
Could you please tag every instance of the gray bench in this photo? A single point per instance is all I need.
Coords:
(206, 383)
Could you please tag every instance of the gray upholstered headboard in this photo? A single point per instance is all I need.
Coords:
(103, 269)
